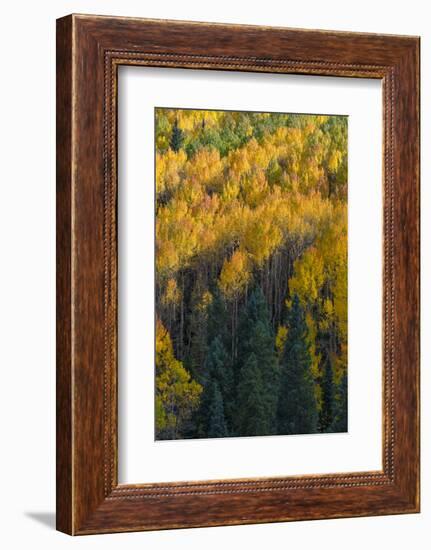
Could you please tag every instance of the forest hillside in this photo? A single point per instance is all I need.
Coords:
(251, 273)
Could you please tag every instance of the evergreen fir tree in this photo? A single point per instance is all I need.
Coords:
(251, 417)
(297, 410)
(256, 343)
(219, 367)
(177, 137)
(339, 423)
(217, 423)
(218, 371)
(326, 414)
(218, 321)
(256, 311)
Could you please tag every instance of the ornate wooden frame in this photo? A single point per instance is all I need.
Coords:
(89, 51)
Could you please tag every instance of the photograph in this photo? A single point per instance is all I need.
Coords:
(237, 273)
(215, 233)
(250, 273)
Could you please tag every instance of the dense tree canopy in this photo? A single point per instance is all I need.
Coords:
(251, 273)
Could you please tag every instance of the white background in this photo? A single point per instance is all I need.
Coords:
(141, 458)
(27, 233)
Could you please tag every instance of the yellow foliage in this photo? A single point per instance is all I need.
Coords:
(335, 160)
(205, 301)
(172, 293)
(261, 236)
(168, 170)
(235, 274)
(280, 339)
(204, 166)
(177, 395)
(230, 191)
(308, 276)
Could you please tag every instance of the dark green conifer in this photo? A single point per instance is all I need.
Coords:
(177, 137)
(326, 415)
(218, 367)
(218, 320)
(256, 311)
(256, 344)
(217, 423)
(218, 370)
(252, 418)
(339, 423)
(297, 410)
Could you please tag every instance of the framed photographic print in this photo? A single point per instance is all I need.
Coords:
(237, 274)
